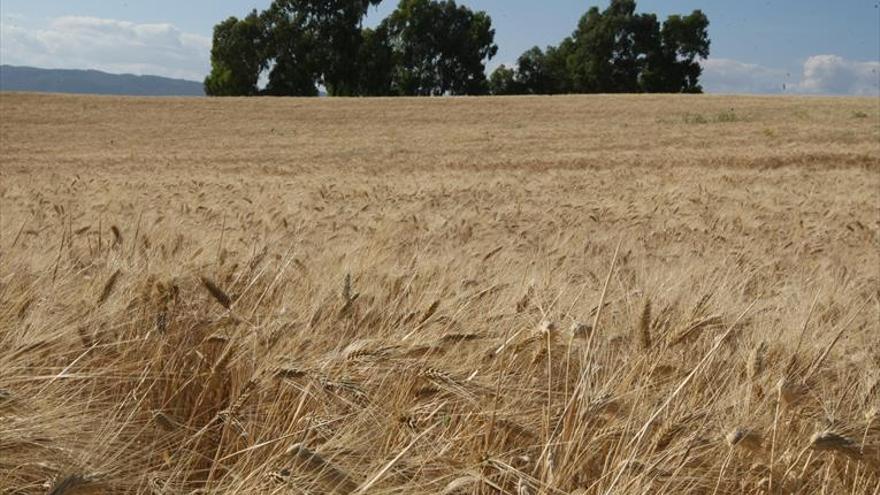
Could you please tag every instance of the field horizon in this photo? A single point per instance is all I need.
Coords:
(584, 294)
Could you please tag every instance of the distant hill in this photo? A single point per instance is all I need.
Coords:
(14, 78)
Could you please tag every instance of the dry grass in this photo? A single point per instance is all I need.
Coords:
(510, 295)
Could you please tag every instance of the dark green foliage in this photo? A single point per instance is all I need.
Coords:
(544, 73)
(330, 34)
(303, 44)
(503, 82)
(290, 53)
(684, 40)
(536, 72)
(376, 64)
(436, 47)
(439, 48)
(618, 50)
(236, 57)
(426, 47)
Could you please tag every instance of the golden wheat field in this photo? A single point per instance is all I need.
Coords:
(532, 295)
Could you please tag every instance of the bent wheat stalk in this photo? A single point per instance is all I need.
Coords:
(637, 440)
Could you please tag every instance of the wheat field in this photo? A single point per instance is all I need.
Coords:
(529, 295)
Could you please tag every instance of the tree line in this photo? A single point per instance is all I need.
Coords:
(437, 47)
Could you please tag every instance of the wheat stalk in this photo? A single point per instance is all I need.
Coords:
(645, 326)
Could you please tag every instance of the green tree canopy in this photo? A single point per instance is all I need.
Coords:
(503, 81)
(684, 41)
(327, 34)
(303, 44)
(375, 63)
(289, 53)
(618, 50)
(425, 47)
(439, 47)
(436, 47)
(236, 57)
(541, 73)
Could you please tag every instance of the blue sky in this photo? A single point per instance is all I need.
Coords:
(810, 46)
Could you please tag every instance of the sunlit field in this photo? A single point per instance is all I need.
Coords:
(526, 295)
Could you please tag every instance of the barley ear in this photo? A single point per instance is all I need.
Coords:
(217, 292)
(108, 287)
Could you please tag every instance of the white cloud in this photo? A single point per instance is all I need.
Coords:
(822, 74)
(830, 74)
(108, 45)
(723, 75)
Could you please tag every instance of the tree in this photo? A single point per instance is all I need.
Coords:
(605, 57)
(685, 39)
(557, 61)
(236, 57)
(289, 54)
(436, 47)
(618, 50)
(503, 82)
(331, 36)
(425, 47)
(375, 64)
(303, 44)
(439, 48)
(541, 73)
(537, 72)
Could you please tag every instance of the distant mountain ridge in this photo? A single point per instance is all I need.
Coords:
(14, 78)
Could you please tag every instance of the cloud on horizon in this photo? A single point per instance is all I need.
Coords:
(114, 46)
(822, 74)
(830, 74)
(109, 45)
(724, 75)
